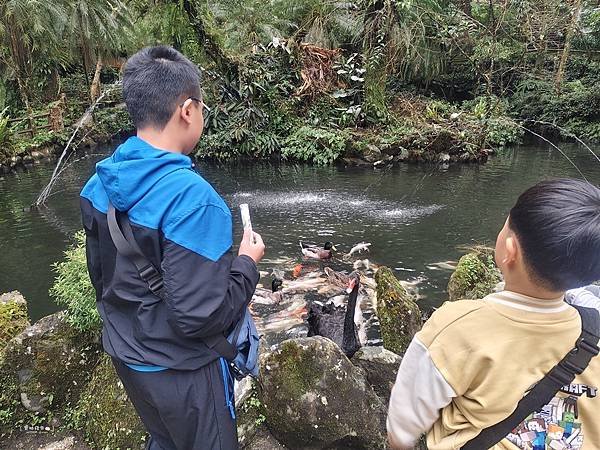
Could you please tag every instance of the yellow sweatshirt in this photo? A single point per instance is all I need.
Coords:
(473, 362)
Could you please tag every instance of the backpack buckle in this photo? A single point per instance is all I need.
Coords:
(153, 277)
(236, 372)
(561, 375)
(579, 357)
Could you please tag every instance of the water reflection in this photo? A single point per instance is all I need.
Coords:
(416, 217)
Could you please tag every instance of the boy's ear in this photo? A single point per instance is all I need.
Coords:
(185, 112)
(513, 249)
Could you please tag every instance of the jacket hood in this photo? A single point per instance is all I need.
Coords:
(135, 166)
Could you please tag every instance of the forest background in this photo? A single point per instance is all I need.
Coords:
(317, 80)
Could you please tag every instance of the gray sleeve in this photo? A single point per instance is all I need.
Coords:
(588, 297)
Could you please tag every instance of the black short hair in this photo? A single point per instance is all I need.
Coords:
(557, 223)
(155, 81)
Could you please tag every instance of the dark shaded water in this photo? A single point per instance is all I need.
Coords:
(414, 216)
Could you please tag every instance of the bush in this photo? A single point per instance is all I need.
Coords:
(574, 111)
(112, 121)
(315, 145)
(73, 288)
(503, 131)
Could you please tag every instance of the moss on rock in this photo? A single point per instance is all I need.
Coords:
(105, 414)
(13, 316)
(42, 373)
(399, 315)
(314, 397)
(249, 410)
(476, 275)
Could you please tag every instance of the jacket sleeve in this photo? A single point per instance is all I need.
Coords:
(419, 394)
(205, 287)
(588, 297)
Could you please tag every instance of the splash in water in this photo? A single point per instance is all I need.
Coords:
(333, 203)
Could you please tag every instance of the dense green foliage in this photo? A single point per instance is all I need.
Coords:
(299, 79)
(73, 289)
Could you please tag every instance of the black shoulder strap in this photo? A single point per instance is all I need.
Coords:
(119, 227)
(125, 243)
(563, 374)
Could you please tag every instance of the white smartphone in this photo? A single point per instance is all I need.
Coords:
(245, 216)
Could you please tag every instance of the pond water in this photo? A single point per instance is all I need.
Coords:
(417, 217)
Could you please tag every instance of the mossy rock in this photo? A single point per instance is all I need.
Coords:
(476, 276)
(399, 315)
(105, 414)
(314, 397)
(42, 373)
(249, 411)
(13, 316)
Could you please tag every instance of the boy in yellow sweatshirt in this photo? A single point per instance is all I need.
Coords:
(474, 360)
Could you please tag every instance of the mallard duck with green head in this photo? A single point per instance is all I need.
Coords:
(314, 251)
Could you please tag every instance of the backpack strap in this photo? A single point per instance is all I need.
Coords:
(125, 243)
(122, 236)
(563, 374)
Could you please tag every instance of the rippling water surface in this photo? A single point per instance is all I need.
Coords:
(416, 217)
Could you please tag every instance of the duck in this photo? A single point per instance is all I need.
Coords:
(265, 297)
(339, 279)
(313, 251)
(335, 322)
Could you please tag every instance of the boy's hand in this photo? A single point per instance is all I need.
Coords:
(252, 245)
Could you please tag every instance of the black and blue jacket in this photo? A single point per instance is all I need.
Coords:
(184, 227)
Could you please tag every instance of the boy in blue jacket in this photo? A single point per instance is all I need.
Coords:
(184, 228)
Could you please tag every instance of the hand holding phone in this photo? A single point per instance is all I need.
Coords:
(252, 244)
(245, 211)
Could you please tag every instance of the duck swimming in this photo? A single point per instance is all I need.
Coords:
(334, 322)
(313, 251)
(265, 297)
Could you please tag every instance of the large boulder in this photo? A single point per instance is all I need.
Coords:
(476, 275)
(42, 373)
(399, 315)
(13, 316)
(314, 397)
(105, 414)
(381, 367)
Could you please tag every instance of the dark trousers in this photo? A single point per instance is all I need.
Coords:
(182, 410)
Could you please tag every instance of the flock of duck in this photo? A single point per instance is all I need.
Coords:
(315, 299)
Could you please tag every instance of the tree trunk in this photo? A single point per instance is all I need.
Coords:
(560, 73)
(19, 58)
(95, 89)
(224, 63)
(374, 60)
